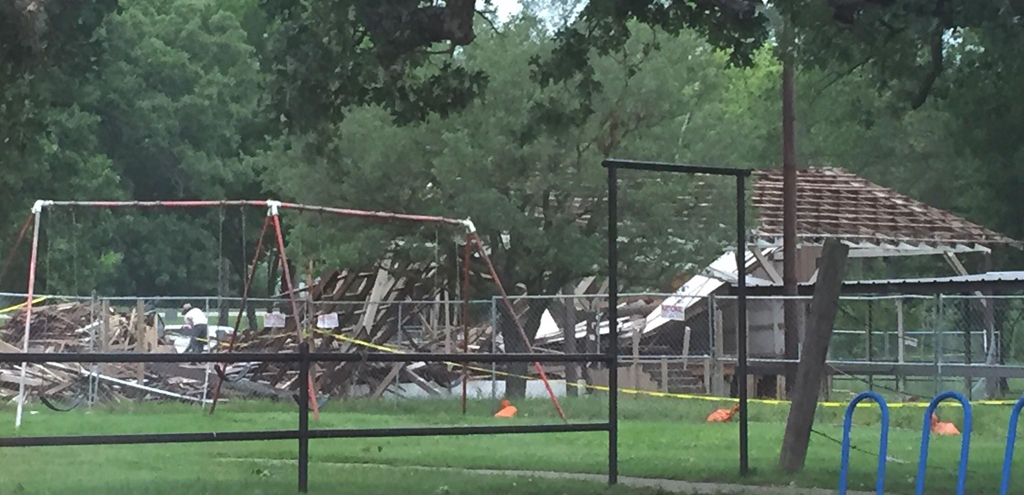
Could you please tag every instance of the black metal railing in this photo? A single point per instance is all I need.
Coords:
(303, 434)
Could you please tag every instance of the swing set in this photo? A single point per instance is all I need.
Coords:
(272, 222)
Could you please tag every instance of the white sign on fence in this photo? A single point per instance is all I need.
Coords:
(673, 312)
(329, 320)
(912, 342)
(274, 320)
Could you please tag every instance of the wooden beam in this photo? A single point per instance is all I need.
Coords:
(768, 266)
(812, 361)
(387, 380)
(420, 382)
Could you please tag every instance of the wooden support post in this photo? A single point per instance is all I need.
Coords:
(812, 361)
(991, 347)
(104, 332)
(140, 341)
(718, 383)
(569, 346)
(636, 362)
(708, 372)
(105, 327)
(664, 374)
(387, 380)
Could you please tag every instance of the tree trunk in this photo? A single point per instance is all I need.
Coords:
(515, 385)
(568, 324)
(812, 363)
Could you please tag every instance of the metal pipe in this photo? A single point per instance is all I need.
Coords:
(741, 317)
(511, 311)
(38, 213)
(14, 249)
(147, 438)
(241, 310)
(384, 215)
(675, 167)
(241, 436)
(304, 400)
(1011, 438)
(965, 443)
(465, 320)
(167, 204)
(883, 443)
(287, 277)
(457, 430)
(292, 357)
(613, 325)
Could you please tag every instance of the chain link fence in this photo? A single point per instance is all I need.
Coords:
(687, 345)
(667, 343)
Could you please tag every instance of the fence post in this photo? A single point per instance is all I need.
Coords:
(968, 379)
(636, 363)
(303, 417)
(937, 332)
(870, 351)
(93, 323)
(494, 348)
(901, 347)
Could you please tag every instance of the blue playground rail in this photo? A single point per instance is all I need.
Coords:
(965, 444)
(1011, 438)
(883, 443)
(922, 466)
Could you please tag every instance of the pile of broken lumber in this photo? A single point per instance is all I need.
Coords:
(81, 327)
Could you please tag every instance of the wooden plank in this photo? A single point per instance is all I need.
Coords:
(718, 383)
(812, 361)
(15, 378)
(420, 382)
(387, 380)
(140, 340)
(768, 266)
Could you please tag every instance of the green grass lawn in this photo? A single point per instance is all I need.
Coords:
(661, 438)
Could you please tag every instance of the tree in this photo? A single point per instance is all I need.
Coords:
(161, 114)
(530, 182)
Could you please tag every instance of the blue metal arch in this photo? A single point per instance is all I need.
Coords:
(965, 444)
(1011, 437)
(883, 444)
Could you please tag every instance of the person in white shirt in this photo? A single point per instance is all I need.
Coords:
(195, 327)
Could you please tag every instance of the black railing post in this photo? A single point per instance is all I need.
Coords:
(741, 317)
(303, 417)
(613, 330)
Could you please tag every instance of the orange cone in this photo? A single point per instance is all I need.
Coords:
(943, 428)
(722, 415)
(507, 410)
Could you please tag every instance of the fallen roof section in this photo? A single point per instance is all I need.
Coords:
(834, 203)
(1012, 281)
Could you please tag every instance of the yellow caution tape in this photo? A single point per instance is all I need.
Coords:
(648, 393)
(21, 305)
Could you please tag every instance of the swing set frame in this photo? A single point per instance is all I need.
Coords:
(272, 219)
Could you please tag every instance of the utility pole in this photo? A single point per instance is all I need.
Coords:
(789, 251)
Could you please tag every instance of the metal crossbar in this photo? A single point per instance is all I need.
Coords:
(303, 434)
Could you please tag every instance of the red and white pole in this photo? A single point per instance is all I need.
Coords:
(37, 211)
(274, 213)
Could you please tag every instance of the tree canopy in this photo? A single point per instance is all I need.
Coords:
(437, 107)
